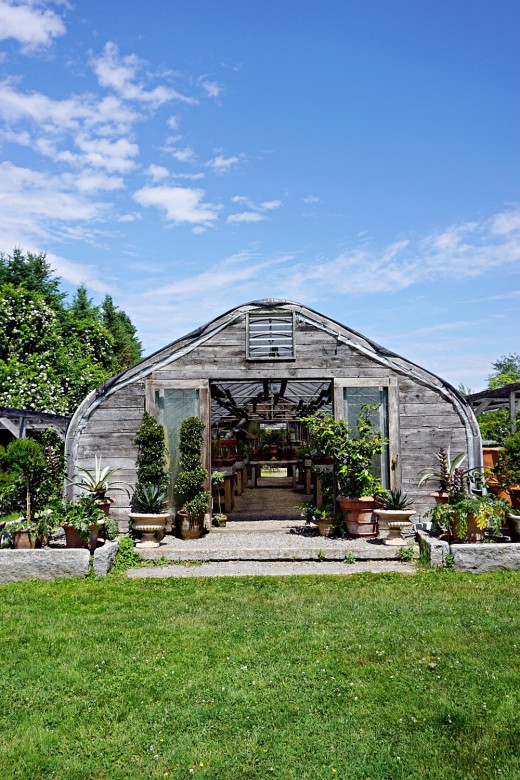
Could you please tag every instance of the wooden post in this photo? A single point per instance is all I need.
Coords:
(512, 411)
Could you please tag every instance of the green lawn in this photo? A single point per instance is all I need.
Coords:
(379, 677)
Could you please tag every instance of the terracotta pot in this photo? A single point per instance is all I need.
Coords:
(440, 498)
(490, 457)
(24, 540)
(358, 516)
(327, 527)
(105, 505)
(514, 493)
(472, 536)
(500, 493)
(75, 541)
(189, 526)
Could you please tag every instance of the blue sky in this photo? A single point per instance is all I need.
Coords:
(359, 157)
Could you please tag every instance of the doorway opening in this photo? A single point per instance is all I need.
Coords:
(259, 442)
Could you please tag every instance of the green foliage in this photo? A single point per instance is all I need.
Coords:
(51, 355)
(406, 553)
(79, 513)
(450, 477)
(149, 499)
(351, 454)
(512, 456)
(506, 371)
(495, 426)
(452, 518)
(126, 345)
(394, 499)
(189, 487)
(152, 459)
(25, 457)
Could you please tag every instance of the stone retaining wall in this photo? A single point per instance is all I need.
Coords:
(50, 564)
(474, 558)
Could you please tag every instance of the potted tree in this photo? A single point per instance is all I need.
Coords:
(219, 518)
(149, 498)
(189, 486)
(352, 467)
(26, 459)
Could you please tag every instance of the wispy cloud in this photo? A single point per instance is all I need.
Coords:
(30, 23)
(121, 74)
(210, 88)
(245, 216)
(221, 164)
(256, 212)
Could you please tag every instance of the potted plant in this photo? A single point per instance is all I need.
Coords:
(81, 520)
(219, 518)
(153, 480)
(26, 459)
(465, 518)
(149, 518)
(352, 467)
(395, 514)
(189, 486)
(447, 472)
(324, 517)
(97, 483)
(20, 534)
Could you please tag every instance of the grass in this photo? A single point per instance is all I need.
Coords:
(380, 677)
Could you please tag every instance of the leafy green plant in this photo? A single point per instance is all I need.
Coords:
(351, 454)
(449, 475)
(217, 479)
(25, 457)
(507, 470)
(406, 553)
(189, 487)
(452, 518)
(350, 558)
(79, 513)
(152, 460)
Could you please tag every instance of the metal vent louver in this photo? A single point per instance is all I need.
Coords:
(270, 336)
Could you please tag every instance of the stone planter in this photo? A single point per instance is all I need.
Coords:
(189, 526)
(358, 516)
(395, 520)
(150, 526)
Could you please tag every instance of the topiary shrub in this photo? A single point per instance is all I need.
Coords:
(152, 458)
(189, 487)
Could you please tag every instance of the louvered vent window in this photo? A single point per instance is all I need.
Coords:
(270, 336)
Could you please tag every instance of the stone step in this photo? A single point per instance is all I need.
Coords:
(269, 569)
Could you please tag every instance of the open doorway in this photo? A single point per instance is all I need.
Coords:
(259, 442)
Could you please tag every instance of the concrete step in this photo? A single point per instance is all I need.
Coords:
(269, 569)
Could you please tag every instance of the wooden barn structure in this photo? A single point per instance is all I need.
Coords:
(267, 363)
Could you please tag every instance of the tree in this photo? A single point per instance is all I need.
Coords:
(25, 457)
(52, 355)
(506, 371)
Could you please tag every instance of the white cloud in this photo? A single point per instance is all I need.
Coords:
(79, 273)
(186, 155)
(157, 172)
(269, 205)
(311, 199)
(28, 23)
(210, 88)
(221, 164)
(506, 222)
(246, 216)
(180, 204)
(121, 74)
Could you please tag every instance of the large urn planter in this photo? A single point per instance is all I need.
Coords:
(150, 526)
(359, 517)
(395, 520)
(189, 526)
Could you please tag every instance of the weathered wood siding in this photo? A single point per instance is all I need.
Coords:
(429, 414)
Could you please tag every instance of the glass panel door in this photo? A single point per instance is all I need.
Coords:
(354, 399)
(173, 406)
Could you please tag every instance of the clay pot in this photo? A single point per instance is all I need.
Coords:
(472, 536)
(358, 516)
(327, 527)
(24, 540)
(189, 526)
(75, 541)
